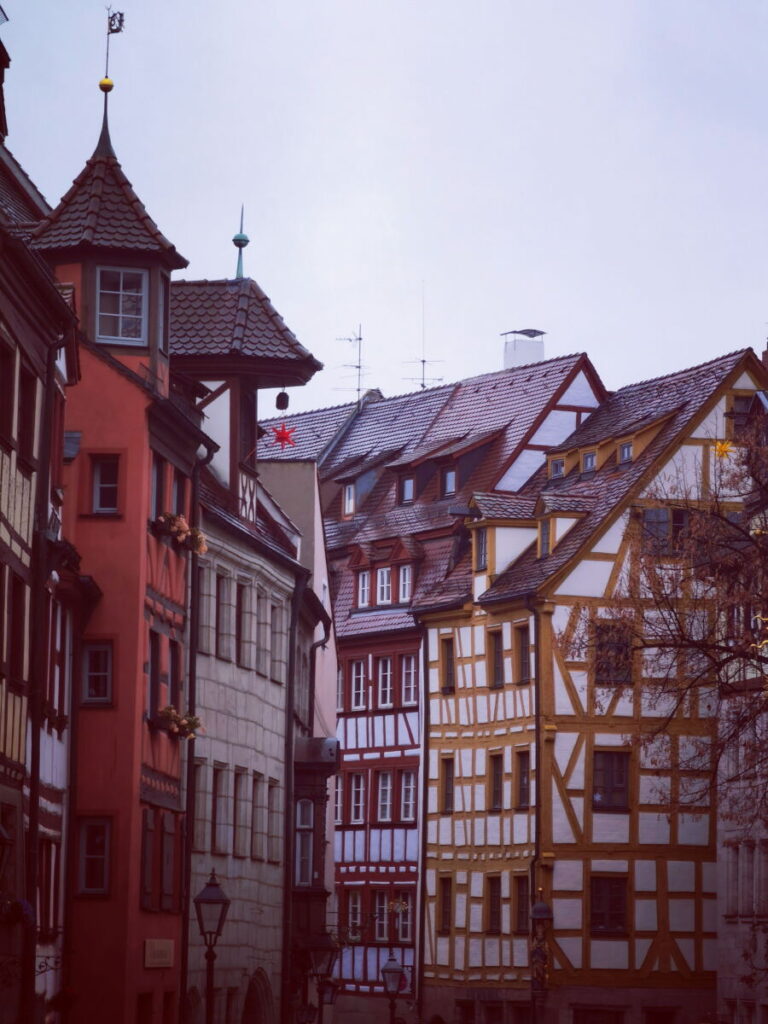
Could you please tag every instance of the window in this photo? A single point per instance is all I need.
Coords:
(556, 468)
(610, 780)
(495, 782)
(481, 549)
(158, 486)
(218, 811)
(664, 528)
(408, 795)
(384, 804)
(95, 842)
(357, 798)
(739, 415)
(608, 905)
(625, 452)
(97, 673)
(544, 538)
(493, 904)
(304, 835)
(257, 816)
(340, 689)
(200, 834)
(404, 917)
(522, 636)
(385, 682)
(168, 862)
(384, 585)
(348, 499)
(273, 822)
(105, 481)
(589, 462)
(240, 797)
(358, 685)
(408, 678)
(522, 890)
(179, 496)
(262, 651)
(122, 306)
(495, 659)
(148, 894)
(241, 624)
(354, 913)
(381, 916)
(447, 665)
(406, 489)
(447, 785)
(363, 588)
(444, 904)
(276, 645)
(613, 652)
(153, 696)
(221, 622)
(404, 578)
(174, 674)
(523, 762)
(338, 799)
(48, 899)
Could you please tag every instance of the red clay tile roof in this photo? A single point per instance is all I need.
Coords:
(504, 506)
(101, 209)
(223, 318)
(20, 200)
(314, 430)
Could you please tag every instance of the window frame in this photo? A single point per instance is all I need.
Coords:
(364, 588)
(384, 585)
(493, 905)
(98, 462)
(589, 461)
(304, 842)
(600, 904)
(625, 453)
(380, 915)
(447, 664)
(106, 856)
(356, 798)
(611, 781)
(522, 780)
(348, 502)
(92, 646)
(358, 693)
(409, 680)
(408, 783)
(404, 583)
(384, 795)
(495, 782)
(556, 469)
(406, 489)
(447, 785)
(480, 549)
(444, 904)
(522, 653)
(612, 652)
(521, 888)
(139, 341)
(448, 481)
(385, 682)
(495, 658)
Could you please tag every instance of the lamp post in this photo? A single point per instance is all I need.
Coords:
(323, 958)
(211, 906)
(393, 976)
(541, 918)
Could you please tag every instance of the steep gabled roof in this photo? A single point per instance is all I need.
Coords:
(313, 432)
(20, 200)
(101, 210)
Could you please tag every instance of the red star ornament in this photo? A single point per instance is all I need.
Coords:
(283, 436)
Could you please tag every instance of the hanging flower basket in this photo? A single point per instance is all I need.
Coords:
(178, 529)
(185, 727)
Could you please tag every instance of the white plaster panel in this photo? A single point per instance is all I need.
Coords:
(577, 803)
(613, 954)
(375, 844)
(475, 953)
(610, 739)
(622, 866)
(656, 753)
(476, 880)
(479, 790)
(563, 702)
(460, 832)
(681, 876)
(520, 952)
(567, 913)
(461, 910)
(558, 424)
(564, 744)
(610, 828)
(568, 876)
(572, 947)
(645, 915)
(561, 827)
(511, 541)
(645, 876)
(579, 680)
(479, 637)
(359, 846)
(625, 705)
(588, 579)
(493, 837)
(445, 831)
(465, 760)
(432, 637)
(579, 392)
(610, 542)
(576, 780)
(399, 841)
(695, 753)
(709, 915)
(712, 426)
(378, 731)
(481, 708)
(652, 828)
(562, 526)
(681, 915)
(443, 951)
(709, 877)
(386, 844)
(524, 466)
(707, 701)
(520, 828)
(432, 833)
(687, 948)
(654, 789)
(475, 922)
(459, 952)
(491, 952)
(641, 951)
(693, 829)
(464, 638)
(479, 831)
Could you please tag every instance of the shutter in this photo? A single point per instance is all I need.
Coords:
(148, 859)
(168, 899)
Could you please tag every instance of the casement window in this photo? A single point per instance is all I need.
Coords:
(348, 499)
(158, 486)
(94, 856)
(356, 798)
(304, 839)
(447, 775)
(174, 674)
(481, 549)
(408, 678)
(276, 643)
(664, 529)
(556, 468)
(241, 623)
(262, 648)
(523, 765)
(159, 860)
(274, 837)
(408, 795)
(407, 489)
(122, 306)
(493, 904)
(240, 818)
(384, 672)
(363, 588)
(447, 665)
(495, 660)
(522, 896)
(495, 782)
(405, 576)
(625, 452)
(444, 903)
(354, 913)
(219, 810)
(544, 538)
(404, 916)
(104, 492)
(384, 801)
(610, 780)
(179, 493)
(522, 644)
(589, 462)
(340, 689)
(448, 482)
(613, 652)
(608, 905)
(338, 799)
(357, 669)
(97, 673)
(384, 585)
(28, 417)
(257, 817)
(738, 415)
(153, 691)
(221, 620)
(381, 915)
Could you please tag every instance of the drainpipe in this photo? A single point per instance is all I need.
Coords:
(38, 668)
(536, 696)
(289, 823)
(421, 873)
(189, 810)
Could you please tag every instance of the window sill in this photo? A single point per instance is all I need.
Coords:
(107, 514)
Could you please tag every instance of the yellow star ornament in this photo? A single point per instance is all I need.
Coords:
(723, 449)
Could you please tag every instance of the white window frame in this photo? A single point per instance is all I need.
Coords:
(384, 585)
(386, 690)
(340, 689)
(405, 579)
(625, 452)
(589, 462)
(384, 797)
(104, 647)
(448, 481)
(354, 912)
(557, 469)
(356, 798)
(348, 500)
(408, 679)
(97, 464)
(408, 795)
(363, 588)
(338, 800)
(407, 489)
(381, 915)
(357, 671)
(119, 339)
(105, 858)
(404, 916)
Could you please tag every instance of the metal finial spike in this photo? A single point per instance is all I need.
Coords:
(240, 240)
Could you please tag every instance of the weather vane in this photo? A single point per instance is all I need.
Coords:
(115, 22)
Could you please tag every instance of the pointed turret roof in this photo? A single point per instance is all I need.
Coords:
(101, 210)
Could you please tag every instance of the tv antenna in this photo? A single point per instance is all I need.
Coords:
(357, 340)
(423, 381)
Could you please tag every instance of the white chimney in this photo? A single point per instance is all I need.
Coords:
(522, 347)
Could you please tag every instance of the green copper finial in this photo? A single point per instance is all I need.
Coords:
(240, 241)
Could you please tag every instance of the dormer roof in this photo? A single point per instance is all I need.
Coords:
(102, 211)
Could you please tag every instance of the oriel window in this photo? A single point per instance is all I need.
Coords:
(122, 306)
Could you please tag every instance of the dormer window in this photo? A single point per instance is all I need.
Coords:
(363, 589)
(556, 468)
(544, 544)
(406, 490)
(448, 482)
(404, 580)
(589, 462)
(122, 306)
(625, 452)
(481, 549)
(348, 500)
(384, 585)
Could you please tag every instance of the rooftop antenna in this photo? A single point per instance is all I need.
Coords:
(240, 240)
(356, 339)
(423, 380)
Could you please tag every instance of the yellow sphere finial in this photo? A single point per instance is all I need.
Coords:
(106, 85)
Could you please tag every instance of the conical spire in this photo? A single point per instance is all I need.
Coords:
(104, 145)
(240, 241)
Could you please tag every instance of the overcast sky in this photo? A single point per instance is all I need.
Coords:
(595, 170)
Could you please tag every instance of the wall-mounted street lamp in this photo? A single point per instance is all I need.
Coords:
(323, 959)
(393, 975)
(211, 906)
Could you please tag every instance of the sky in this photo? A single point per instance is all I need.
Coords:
(436, 172)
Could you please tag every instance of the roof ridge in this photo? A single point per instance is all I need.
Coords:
(686, 370)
